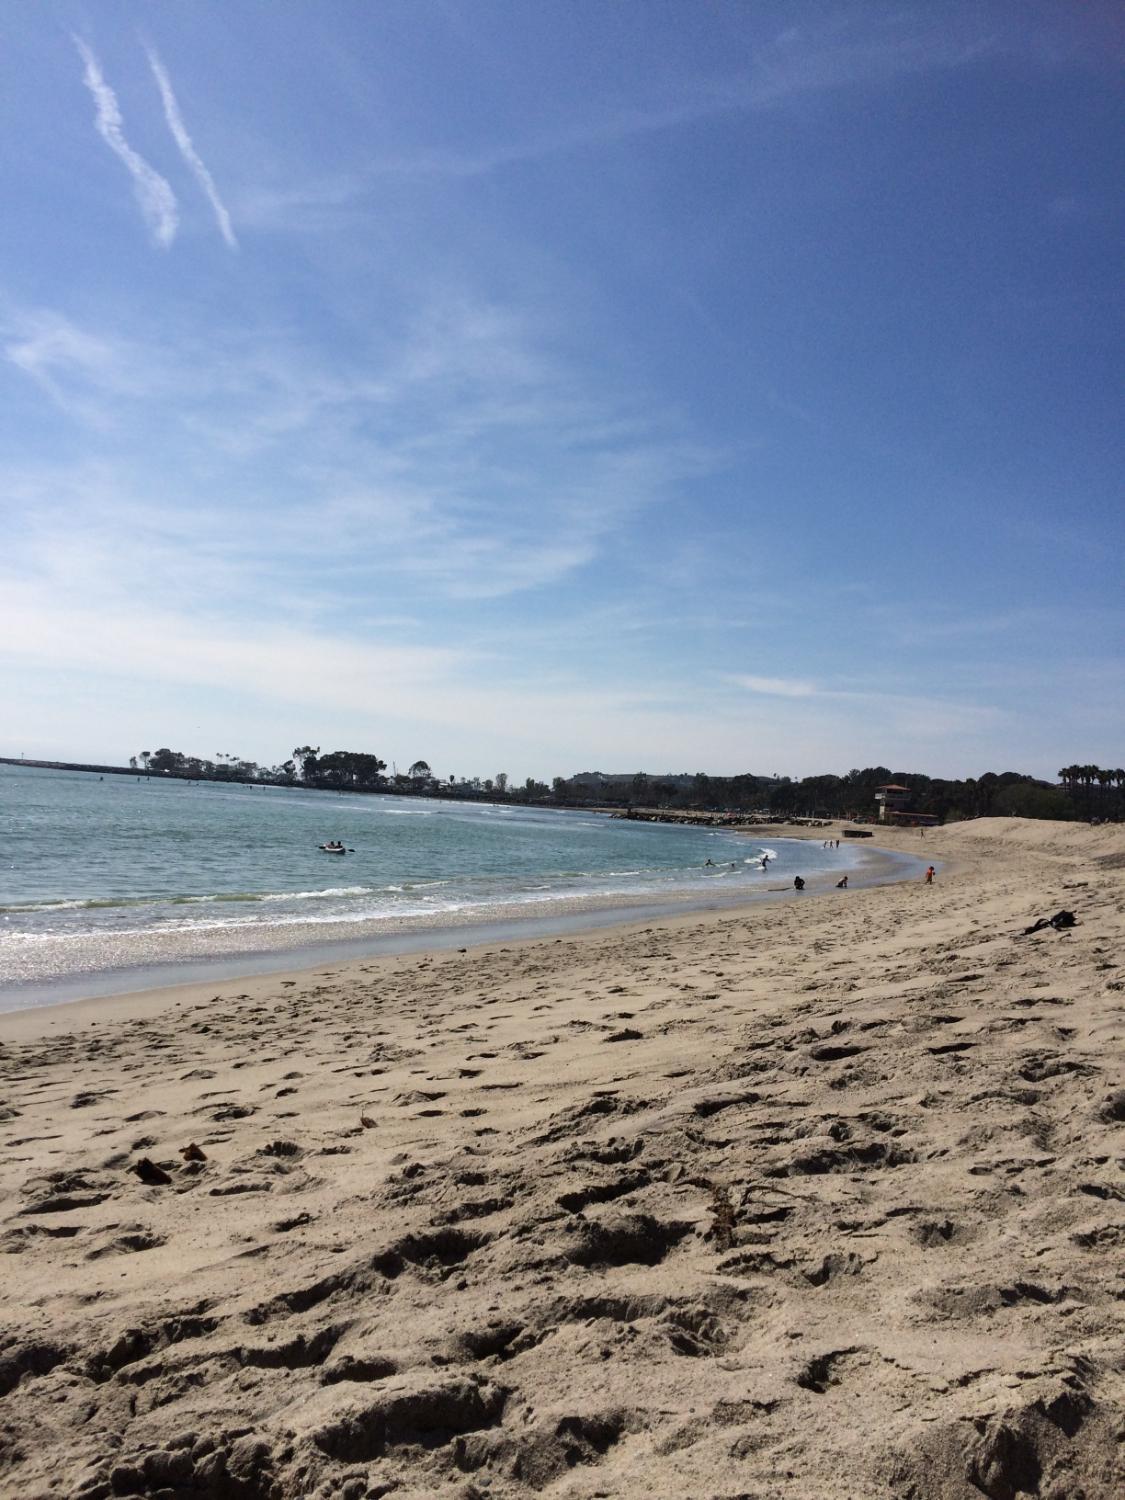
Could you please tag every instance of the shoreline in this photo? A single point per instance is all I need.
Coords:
(149, 1000)
(289, 949)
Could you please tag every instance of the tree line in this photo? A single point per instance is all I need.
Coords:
(337, 770)
(1084, 791)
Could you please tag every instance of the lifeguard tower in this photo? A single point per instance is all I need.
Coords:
(892, 801)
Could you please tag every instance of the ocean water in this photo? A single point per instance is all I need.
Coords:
(106, 874)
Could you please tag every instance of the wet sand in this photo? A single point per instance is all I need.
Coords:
(819, 1198)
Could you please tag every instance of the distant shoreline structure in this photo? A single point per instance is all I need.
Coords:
(874, 795)
(66, 765)
(696, 818)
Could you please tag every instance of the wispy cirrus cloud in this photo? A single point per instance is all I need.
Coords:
(910, 713)
(777, 687)
(187, 149)
(46, 346)
(846, 52)
(92, 376)
(154, 194)
(459, 461)
(801, 60)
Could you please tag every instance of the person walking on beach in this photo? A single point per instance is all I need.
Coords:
(930, 873)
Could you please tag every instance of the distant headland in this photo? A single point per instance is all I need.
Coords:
(875, 794)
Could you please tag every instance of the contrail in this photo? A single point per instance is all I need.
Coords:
(187, 149)
(157, 200)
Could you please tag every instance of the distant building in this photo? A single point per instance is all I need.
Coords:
(892, 800)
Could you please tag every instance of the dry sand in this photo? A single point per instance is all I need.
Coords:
(821, 1199)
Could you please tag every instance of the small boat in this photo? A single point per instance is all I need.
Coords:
(335, 849)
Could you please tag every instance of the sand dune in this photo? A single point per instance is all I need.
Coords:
(819, 1199)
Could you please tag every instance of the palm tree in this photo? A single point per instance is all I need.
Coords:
(1086, 776)
(1072, 776)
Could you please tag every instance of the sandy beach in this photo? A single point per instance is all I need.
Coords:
(822, 1198)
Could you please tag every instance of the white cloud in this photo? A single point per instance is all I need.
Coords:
(776, 687)
(52, 350)
(155, 197)
(91, 375)
(901, 714)
(187, 149)
(273, 661)
(458, 701)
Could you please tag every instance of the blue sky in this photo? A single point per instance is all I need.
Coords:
(554, 386)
